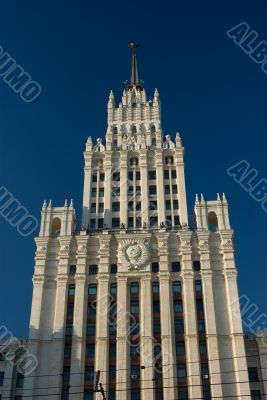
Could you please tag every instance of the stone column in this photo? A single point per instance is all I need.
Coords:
(108, 187)
(160, 187)
(234, 314)
(190, 321)
(102, 331)
(146, 344)
(123, 189)
(181, 186)
(167, 324)
(79, 328)
(210, 321)
(122, 362)
(238, 345)
(87, 189)
(144, 187)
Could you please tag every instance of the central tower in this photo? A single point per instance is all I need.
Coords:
(137, 180)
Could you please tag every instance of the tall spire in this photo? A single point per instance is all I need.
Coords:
(134, 81)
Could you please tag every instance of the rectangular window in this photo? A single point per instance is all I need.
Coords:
(176, 220)
(138, 206)
(93, 208)
(175, 204)
(253, 374)
(206, 393)
(102, 177)
(173, 173)
(153, 221)
(155, 267)
(153, 205)
(93, 192)
(112, 350)
(180, 349)
(176, 287)
(89, 374)
(179, 326)
(91, 308)
(93, 269)
(198, 286)
(20, 380)
(200, 305)
(153, 190)
(203, 348)
(100, 223)
(156, 327)
(71, 290)
(70, 310)
(115, 191)
(138, 222)
(68, 331)
(134, 288)
(130, 206)
(92, 224)
(168, 204)
(67, 351)
(153, 142)
(181, 371)
(174, 189)
(95, 177)
(156, 306)
(196, 265)
(167, 189)
(90, 329)
(116, 207)
(131, 190)
(130, 175)
(255, 395)
(138, 190)
(176, 266)
(130, 222)
(90, 351)
(92, 290)
(116, 176)
(113, 268)
(155, 288)
(152, 175)
(101, 192)
(72, 270)
(101, 207)
(112, 374)
(182, 393)
(134, 307)
(137, 175)
(166, 174)
(115, 222)
(201, 326)
(66, 374)
(178, 306)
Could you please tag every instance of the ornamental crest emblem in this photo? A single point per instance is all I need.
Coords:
(134, 254)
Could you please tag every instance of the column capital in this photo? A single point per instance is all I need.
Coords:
(102, 277)
(187, 274)
(80, 278)
(164, 275)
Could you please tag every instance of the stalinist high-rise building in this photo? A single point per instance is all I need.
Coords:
(136, 293)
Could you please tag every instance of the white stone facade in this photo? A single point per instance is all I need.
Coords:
(174, 285)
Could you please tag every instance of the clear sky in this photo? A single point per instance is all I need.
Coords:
(211, 92)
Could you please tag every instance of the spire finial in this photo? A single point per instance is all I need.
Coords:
(134, 71)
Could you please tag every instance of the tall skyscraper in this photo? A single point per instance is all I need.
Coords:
(136, 293)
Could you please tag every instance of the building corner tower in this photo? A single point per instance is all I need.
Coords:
(136, 292)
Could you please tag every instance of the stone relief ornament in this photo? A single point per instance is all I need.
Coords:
(66, 247)
(82, 247)
(168, 144)
(134, 253)
(99, 147)
(42, 248)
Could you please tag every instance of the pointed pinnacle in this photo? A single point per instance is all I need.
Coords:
(202, 198)
(197, 200)
(44, 204)
(218, 197)
(224, 198)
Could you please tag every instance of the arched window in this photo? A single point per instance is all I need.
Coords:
(115, 129)
(169, 160)
(212, 221)
(134, 129)
(153, 128)
(56, 227)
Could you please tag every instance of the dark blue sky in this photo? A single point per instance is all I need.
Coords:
(211, 92)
